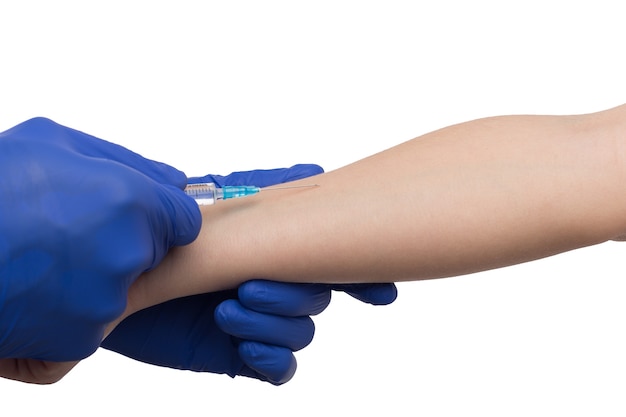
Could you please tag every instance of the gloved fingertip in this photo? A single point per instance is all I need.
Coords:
(300, 171)
(287, 299)
(275, 363)
(226, 314)
(375, 294)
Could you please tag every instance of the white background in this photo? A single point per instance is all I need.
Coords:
(215, 87)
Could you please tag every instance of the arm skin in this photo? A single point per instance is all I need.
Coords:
(471, 197)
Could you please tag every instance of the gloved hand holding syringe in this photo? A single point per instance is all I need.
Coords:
(208, 193)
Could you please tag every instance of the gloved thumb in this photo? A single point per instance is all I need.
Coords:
(176, 221)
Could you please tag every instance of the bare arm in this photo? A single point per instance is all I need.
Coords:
(470, 197)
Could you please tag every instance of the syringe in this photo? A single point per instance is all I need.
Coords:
(207, 193)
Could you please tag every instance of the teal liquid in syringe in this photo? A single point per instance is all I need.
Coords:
(207, 193)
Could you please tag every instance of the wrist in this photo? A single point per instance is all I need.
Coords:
(220, 258)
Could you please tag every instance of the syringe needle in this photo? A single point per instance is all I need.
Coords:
(286, 187)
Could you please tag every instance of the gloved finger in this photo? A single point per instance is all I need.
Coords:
(262, 178)
(376, 294)
(48, 130)
(291, 332)
(285, 299)
(180, 213)
(277, 364)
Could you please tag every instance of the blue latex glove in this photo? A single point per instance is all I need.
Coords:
(80, 220)
(253, 331)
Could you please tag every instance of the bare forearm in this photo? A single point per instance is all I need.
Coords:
(467, 198)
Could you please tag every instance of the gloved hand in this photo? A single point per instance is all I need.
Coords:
(80, 220)
(252, 331)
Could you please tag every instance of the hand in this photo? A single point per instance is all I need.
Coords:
(266, 315)
(80, 220)
(253, 331)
